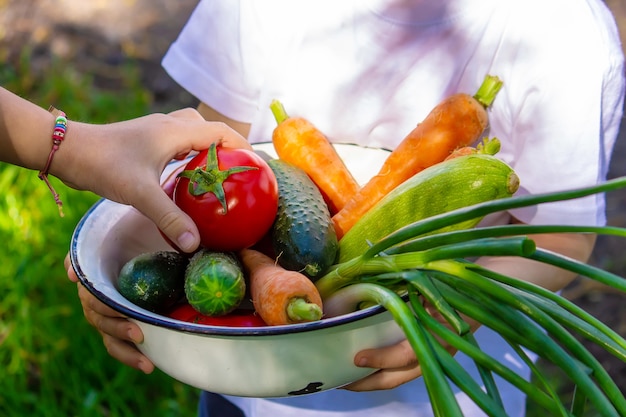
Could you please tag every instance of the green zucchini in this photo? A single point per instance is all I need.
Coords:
(448, 185)
(303, 236)
(153, 281)
(214, 282)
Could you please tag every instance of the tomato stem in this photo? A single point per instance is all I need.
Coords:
(211, 178)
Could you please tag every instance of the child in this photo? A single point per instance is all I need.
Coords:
(365, 72)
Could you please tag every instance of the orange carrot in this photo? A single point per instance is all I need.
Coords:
(280, 296)
(300, 143)
(457, 121)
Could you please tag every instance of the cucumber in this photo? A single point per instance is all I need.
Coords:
(448, 185)
(303, 236)
(214, 282)
(153, 281)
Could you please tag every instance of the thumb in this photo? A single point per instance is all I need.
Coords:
(171, 220)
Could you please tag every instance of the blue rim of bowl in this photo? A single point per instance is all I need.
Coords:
(201, 329)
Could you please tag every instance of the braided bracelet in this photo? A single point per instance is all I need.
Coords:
(58, 134)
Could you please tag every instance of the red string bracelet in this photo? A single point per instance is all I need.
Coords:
(58, 134)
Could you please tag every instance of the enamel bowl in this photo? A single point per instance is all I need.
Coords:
(276, 361)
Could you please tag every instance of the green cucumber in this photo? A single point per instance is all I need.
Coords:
(153, 281)
(214, 282)
(448, 185)
(303, 236)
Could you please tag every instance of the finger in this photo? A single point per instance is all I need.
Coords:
(71, 274)
(201, 136)
(395, 356)
(127, 354)
(187, 113)
(386, 379)
(168, 217)
(118, 328)
(210, 131)
(93, 305)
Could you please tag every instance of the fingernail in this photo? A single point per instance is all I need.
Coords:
(134, 336)
(362, 362)
(185, 241)
(144, 367)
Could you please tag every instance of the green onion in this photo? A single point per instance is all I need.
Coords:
(497, 298)
(343, 274)
(464, 235)
(617, 342)
(439, 390)
(473, 309)
(539, 377)
(456, 373)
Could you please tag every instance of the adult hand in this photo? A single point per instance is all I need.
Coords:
(123, 162)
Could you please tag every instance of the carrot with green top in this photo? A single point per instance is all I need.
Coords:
(280, 296)
(297, 141)
(456, 122)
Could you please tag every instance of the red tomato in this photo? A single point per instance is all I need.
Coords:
(237, 318)
(233, 198)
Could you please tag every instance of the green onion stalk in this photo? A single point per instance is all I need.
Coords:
(442, 398)
(434, 267)
(496, 297)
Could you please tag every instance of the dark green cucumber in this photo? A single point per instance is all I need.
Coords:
(448, 185)
(303, 235)
(154, 281)
(214, 282)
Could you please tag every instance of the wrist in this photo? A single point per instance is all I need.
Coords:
(67, 160)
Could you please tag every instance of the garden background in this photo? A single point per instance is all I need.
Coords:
(99, 61)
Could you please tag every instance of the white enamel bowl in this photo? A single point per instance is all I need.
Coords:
(274, 361)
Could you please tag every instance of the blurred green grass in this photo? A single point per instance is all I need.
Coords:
(52, 362)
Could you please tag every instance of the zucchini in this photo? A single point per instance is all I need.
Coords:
(303, 236)
(448, 185)
(214, 282)
(153, 281)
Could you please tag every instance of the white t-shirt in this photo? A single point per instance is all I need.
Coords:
(367, 71)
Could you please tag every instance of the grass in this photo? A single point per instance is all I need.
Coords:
(53, 363)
